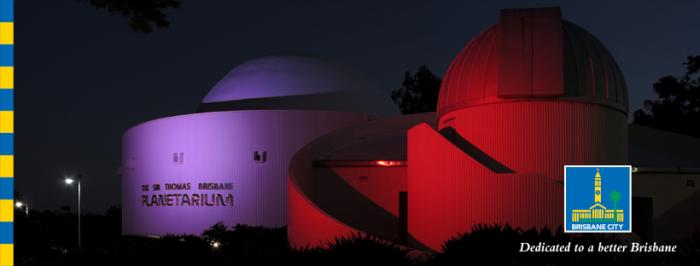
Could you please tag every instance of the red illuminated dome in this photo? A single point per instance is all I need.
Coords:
(532, 54)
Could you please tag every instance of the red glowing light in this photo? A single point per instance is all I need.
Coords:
(387, 163)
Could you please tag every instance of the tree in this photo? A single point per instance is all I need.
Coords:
(678, 106)
(615, 196)
(216, 232)
(144, 14)
(419, 92)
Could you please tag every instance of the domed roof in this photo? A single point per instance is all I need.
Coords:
(293, 81)
(532, 54)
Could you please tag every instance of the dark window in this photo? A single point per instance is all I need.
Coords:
(260, 156)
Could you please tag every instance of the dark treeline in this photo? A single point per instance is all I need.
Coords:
(49, 238)
(51, 234)
(144, 15)
(677, 107)
(418, 93)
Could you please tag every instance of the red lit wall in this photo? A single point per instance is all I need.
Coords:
(312, 226)
(449, 191)
(541, 136)
(337, 201)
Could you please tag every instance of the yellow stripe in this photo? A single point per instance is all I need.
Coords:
(7, 210)
(7, 122)
(6, 255)
(7, 77)
(7, 168)
(7, 33)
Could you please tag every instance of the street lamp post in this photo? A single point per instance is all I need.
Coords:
(70, 181)
(20, 204)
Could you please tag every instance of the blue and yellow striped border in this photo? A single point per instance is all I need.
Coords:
(7, 129)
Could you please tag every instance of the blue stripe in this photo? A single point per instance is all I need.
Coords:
(7, 11)
(7, 188)
(6, 144)
(6, 233)
(7, 57)
(6, 100)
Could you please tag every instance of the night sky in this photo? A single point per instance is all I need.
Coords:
(83, 77)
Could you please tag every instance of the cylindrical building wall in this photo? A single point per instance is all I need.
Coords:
(183, 174)
(541, 136)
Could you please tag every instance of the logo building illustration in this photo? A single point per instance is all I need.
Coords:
(609, 187)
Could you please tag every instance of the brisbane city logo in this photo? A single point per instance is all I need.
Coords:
(597, 199)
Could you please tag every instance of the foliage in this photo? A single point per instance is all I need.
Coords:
(46, 238)
(216, 232)
(678, 107)
(49, 236)
(688, 251)
(418, 93)
(143, 14)
(255, 245)
(361, 249)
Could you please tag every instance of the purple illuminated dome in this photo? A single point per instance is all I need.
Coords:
(281, 75)
(293, 81)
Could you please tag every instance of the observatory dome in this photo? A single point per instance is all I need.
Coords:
(532, 54)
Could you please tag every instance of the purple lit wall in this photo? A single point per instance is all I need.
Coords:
(185, 173)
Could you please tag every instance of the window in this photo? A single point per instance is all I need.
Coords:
(260, 156)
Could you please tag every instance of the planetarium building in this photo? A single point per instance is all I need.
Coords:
(289, 140)
(228, 162)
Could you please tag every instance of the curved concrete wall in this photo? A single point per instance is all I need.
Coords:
(330, 202)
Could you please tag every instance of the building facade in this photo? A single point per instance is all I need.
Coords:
(289, 140)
